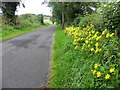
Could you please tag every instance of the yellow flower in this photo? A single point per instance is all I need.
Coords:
(81, 38)
(98, 74)
(96, 32)
(91, 42)
(91, 25)
(89, 45)
(74, 43)
(100, 50)
(113, 26)
(86, 41)
(93, 72)
(75, 40)
(118, 54)
(94, 36)
(98, 38)
(96, 44)
(112, 70)
(89, 39)
(93, 31)
(104, 31)
(95, 65)
(107, 76)
(76, 47)
(82, 48)
(92, 49)
(96, 50)
(111, 34)
(107, 35)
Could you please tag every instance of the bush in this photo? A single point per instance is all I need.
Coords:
(77, 20)
(95, 19)
(107, 17)
(101, 52)
(7, 27)
(111, 17)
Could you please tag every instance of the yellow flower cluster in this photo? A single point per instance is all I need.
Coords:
(95, 65)
(107, 76)
(93, 72)
(112, 70)
(98, 73)
(87, 38)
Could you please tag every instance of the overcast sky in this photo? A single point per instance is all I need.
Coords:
(34, 7)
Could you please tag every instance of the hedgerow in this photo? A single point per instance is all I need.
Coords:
(102, 47)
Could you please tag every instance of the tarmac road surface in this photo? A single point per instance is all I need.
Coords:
(26, 59)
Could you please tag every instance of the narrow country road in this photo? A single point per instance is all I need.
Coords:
(26, 59)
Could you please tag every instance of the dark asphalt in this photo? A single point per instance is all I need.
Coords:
(26, 59)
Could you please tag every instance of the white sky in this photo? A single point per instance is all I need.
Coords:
(34, 7)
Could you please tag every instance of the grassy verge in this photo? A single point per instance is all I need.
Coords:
(71, 68)
(12, 32)
(62, 61)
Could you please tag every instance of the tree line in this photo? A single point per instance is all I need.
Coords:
(102, 14)
(64, 13)
(8, 13)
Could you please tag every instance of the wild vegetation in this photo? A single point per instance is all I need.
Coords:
(24, 23)
(86, 53)
(14, 25)
(65, 12)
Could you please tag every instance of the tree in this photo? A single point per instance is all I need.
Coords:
(52, 19)
(8, 9)
(65, 13)
(40, 18)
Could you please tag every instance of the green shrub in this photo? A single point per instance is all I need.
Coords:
(26, 23)
(7, 27)
(77, 20)
(101, 49)
(95, 19)
(85, 58)
(111, 17)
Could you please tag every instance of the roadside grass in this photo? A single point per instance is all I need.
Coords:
(11, 32)
(71, 68)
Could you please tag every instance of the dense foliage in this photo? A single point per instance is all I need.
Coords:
(107, 16)
(87, 53)
(85, 58)
(24, 23)
(71, 10)
(94, 18)
(8, 9)
(111, 17)
(103, 48)
(40, 19)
